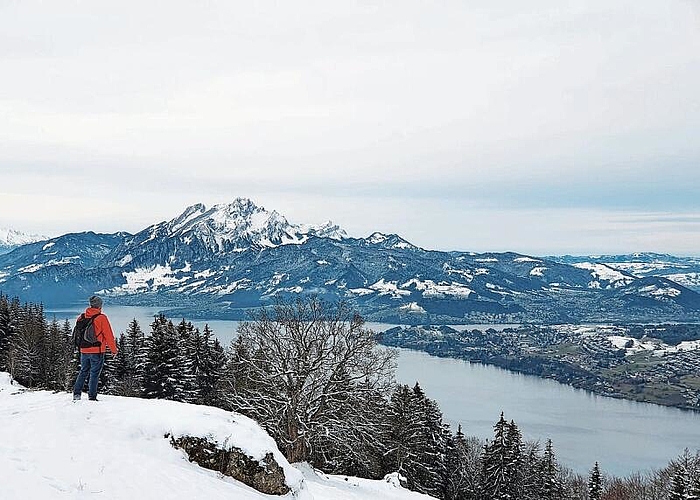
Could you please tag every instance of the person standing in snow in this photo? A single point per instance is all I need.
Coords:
(92, 358)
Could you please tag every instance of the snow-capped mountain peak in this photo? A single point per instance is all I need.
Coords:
(12, 237)
(389, 241)
(200, 232)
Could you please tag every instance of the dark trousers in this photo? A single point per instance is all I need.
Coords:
(89, 364)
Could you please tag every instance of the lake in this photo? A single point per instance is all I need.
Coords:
(623, 436)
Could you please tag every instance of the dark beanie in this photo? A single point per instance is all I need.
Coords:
(96, 302)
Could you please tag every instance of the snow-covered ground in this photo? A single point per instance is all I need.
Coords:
(52, 448)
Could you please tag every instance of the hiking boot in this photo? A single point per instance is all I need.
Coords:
(93, 399)
(76, 397)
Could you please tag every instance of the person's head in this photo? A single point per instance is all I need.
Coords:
(96, 302)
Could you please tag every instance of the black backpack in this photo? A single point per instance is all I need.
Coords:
(84, 332)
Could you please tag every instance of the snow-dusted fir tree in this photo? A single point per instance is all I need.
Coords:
(116, 368)
(551, 488)
(496, 479)
(161, 371)
(135, 358)
(429, 472)
(678, 485)
(6, 332)
(462, 468)
(595, 487)
(417, 444)
(210, 366)
(694, 487)
(9, 328)
(515, 462)
(28, 350)
(186, 389)
(405, 432)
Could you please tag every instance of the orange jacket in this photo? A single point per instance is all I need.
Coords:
(103, 331)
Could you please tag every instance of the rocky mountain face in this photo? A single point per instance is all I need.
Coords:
(225, 260)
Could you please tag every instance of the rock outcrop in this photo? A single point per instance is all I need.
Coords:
(265, 475)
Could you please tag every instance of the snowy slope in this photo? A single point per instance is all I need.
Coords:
(116, 449)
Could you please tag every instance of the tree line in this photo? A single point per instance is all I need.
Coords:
(315, 378)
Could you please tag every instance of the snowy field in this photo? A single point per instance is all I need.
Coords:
(115, 449)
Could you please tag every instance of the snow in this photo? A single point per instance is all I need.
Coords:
(655, 291)
(389, 288)
(619, 341)
(12, 237)
(464, 273)
(331, 487)
(204, 274)
(377, 238)
(322, 262)
(537, 271)
(526, 259)
(240, 284)
(656, 346)
(604, 273)
(236, 225)
(431, 289)
(53, 448)
(488, 259)
(278, 278)
(125, 260)
(686, 279)
(144, 279)
(48, 245)
(412, 307)
(31, 268)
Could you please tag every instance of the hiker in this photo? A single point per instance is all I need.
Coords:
(92, 358)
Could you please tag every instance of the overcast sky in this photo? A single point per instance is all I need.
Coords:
(541, 127)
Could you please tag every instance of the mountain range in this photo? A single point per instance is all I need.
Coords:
(224, 261)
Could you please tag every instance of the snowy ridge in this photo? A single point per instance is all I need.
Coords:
(130, 458)
(12, 237)
(242, 223)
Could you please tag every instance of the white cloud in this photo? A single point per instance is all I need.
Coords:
(501, 110)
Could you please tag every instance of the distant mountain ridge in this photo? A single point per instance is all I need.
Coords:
(225, 260)
(11, 238)
(683, 270)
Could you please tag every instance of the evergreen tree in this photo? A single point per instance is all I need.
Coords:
(458, 474)
(595, 488)
(185, 381)
(56, 356)
(135, 356)
(116, 368)
(497, 469)
(678, 485)
(405, 431)
(551, 488)
(210, 367)
(6, 332)
(514, 461)
(161, 371)
(694, 489)
(68, 369)
(429, 472)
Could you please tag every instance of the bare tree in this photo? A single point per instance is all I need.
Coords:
(305, 371)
